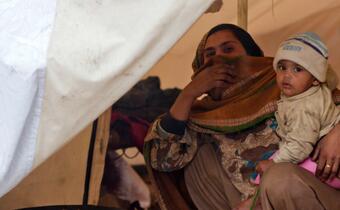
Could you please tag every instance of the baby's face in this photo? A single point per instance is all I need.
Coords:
(292, 78)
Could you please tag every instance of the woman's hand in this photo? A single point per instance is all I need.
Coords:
(327, 155)
(216, 76)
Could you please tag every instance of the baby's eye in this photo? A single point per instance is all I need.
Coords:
(298, 69)
(280, 67)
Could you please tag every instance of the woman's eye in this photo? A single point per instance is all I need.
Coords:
(209, 53)
(228, 49)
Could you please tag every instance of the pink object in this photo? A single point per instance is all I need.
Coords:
(310, 166)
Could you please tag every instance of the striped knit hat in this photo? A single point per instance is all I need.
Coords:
(307, 50)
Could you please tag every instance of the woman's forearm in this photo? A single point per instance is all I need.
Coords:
(180, 110)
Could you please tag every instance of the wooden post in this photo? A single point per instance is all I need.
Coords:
(99, 154)
(242, 14)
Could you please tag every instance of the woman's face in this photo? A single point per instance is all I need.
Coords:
(222, 43)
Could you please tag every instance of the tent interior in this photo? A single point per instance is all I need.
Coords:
(60, 179)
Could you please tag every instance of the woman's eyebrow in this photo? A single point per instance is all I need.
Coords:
(220, 45)
(209, 49)
(227, 42)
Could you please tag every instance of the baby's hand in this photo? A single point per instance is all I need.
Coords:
(263, 165)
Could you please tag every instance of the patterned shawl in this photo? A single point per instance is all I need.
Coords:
(248, 102)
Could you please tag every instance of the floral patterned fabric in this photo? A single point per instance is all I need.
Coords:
(238, 153)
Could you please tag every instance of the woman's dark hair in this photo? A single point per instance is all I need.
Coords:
(243, 36)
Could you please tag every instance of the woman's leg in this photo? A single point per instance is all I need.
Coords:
(287, 186)
(208, 185)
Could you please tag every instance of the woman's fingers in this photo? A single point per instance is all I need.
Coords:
(335, 169)
(222, 68)
(327, 168)
(225, 78)
(216, 76)
(319, 169)
(218, 69)
(326, 171)
(230, 70)
(220, 84)
(224, 75)
(328, 154)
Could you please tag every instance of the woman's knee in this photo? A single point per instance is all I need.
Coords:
(288, 186)
(280, 178)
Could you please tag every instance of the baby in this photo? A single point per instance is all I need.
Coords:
(306, 111)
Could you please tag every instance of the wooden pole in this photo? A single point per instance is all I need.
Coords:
(242, 14)
(99, 148)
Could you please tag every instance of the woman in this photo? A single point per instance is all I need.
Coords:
(218, 140)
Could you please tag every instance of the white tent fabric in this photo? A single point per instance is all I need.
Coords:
(97, 51)
(24, 39)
